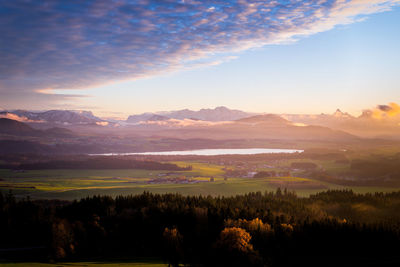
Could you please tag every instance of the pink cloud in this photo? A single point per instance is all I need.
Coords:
(15, 117)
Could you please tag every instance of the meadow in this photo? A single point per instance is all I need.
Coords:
(203, 179)
(145, 263)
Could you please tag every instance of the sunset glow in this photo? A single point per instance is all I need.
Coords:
(121, 58)
(203, 133)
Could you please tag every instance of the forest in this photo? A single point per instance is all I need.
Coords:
(331, 228)
(94, 163)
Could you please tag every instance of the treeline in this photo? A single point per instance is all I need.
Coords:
(270, 229)
(97, 163)
(36, 147)
(320, 155)
(374, 170)
(303, 165)
(377, 167)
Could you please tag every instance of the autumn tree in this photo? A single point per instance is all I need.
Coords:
(173, 246)
(234, 248)
(63, 239)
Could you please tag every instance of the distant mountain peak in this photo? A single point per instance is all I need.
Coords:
(58, 116)
(265, 118)
(339, 114)
(220, 113)
(158, 118)
(366, 114)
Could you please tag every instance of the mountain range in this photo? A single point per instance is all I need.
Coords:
(268, 126)
(53, 116)
(67, 131)
(216, 114)
(365, 125)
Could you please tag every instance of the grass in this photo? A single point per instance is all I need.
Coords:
(146, 263)
(219, 187)
(330, 165)
(75, 184)
(79, 173)
(202, 169)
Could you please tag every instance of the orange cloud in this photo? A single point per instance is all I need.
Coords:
(102, 123)
(299, 124)
(15, 117)
(390, 111)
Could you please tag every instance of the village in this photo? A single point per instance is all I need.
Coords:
(235, 169)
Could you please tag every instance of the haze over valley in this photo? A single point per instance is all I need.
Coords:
(213, 128)
(192, 133)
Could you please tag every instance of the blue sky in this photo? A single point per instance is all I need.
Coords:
(346, 58)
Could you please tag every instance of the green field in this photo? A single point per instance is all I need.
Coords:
(75, 184)
(146, 263)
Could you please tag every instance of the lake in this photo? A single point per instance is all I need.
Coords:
(210, 152)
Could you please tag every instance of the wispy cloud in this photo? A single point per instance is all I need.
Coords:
(65, 45)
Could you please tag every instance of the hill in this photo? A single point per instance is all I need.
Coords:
(12, 127)
(16, 128)
(256, 127)
(271, 119)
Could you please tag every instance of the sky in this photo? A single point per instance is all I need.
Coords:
(123, 57)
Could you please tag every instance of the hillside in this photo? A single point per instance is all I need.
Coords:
(16, 128)
(12, 127)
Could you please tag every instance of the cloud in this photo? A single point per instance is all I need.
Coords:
(184, 123)
(102, 123)
(386, 112)
(384, 108)
(15, 117)
(11, 98)
(66, 45)
(299, 124)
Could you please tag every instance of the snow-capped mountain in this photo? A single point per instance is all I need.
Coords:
(53, 116)
(216, 114)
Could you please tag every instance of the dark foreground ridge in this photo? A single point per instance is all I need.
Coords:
(333, 228)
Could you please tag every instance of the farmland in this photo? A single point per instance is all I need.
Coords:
(144, 263)
(202, 179)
